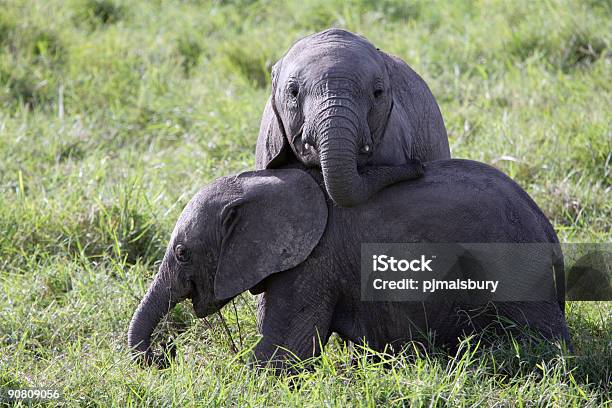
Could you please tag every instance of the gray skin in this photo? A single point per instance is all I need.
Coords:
(339, 103)
(275, 233)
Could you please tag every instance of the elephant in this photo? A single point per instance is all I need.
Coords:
(277, 234)
(339, 103)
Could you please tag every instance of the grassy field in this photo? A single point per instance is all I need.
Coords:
(112, 114)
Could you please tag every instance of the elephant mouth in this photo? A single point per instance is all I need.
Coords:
(307, 150)
(203, 309)
(363, 158)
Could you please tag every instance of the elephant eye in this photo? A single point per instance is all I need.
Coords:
(378, 93)
(293, 89)
(181, 253)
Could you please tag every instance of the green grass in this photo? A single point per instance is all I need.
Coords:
(112, 114)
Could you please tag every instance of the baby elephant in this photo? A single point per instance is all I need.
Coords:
(275, 232)
(340, 104)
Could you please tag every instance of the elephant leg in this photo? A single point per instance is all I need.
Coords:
(525, 321)
(293, 329)
(545, 318)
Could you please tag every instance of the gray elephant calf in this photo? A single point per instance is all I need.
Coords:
(274, 232)
(339, 103)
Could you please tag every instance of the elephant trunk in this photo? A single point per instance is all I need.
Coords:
(157, 302)
(338, 139)
(341, 138)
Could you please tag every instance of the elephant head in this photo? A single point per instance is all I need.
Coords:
(231, 236)
(335, 97)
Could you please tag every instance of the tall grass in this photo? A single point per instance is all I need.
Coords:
(113, 113)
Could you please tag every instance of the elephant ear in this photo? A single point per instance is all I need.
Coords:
(406, 84)
(272, 145)
(273, 226)
(424, 117)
